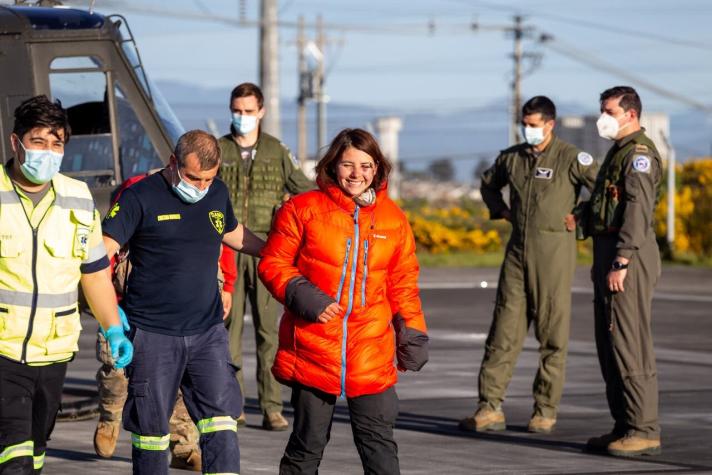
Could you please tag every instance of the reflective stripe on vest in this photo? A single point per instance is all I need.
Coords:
(39, 461)
(23, 449)
(150, 442)
(214, 424)
(24, 299)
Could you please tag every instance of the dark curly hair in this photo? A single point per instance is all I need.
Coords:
(39, 111)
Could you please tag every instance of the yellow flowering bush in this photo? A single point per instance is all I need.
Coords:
(452, 228)
(693, 209)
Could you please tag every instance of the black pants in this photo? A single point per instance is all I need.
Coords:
(30, 397)
(372, 419)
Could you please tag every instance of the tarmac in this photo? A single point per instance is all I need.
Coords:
(458, 306)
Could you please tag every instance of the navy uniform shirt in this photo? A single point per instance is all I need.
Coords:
(174, 249)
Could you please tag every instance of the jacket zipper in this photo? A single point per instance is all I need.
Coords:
(365, 272)
(352, 284)
(343, 271)
(35, 285)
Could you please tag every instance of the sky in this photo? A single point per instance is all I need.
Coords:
(387, 57)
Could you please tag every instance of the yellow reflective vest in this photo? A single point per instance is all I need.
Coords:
(40, 272)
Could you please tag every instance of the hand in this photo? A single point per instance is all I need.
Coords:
(615, 278)
(570, 221)
(121, 347)
(507, 215)
(332, 311)
(226, 302)
(124, 320)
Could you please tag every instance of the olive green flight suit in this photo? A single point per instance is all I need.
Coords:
(621, 221)
(535, 278)
(257, 190)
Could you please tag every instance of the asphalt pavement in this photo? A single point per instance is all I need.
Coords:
(458, 305)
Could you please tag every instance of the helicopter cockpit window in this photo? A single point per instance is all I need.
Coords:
(137, 153)
(81, 86)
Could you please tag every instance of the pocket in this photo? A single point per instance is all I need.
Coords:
(66, 326)
(140, 411)
(10, 326)
(11, 246)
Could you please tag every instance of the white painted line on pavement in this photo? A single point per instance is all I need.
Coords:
(674, 297)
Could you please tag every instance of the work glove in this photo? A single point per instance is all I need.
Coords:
(121, 347)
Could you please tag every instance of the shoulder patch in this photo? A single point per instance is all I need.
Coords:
(584, 159)
(641, 163)
(641, 148)
(291, 156)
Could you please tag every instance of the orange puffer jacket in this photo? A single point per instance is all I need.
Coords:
(324, 248)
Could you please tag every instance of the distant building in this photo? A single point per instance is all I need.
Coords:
(582, 132)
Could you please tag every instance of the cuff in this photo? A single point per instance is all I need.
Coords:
(305, 299)
(95, 266)
(411, 345)
(626, 253)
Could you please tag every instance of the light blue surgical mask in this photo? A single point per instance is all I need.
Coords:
(187, 192)
(533, 135)
(244, 124)
(40, 166)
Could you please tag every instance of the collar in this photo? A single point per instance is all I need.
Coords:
(345, 202)
(630, 137)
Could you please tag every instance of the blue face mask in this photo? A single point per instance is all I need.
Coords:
(40, 166)
(187, 192)
(244, 124)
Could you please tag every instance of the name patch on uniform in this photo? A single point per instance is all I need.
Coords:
(585, 159)
(641, 163)
(545, 173)
(218, 221)
(168, 217)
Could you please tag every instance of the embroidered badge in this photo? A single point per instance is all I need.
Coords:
(545, 173)
(585, 159)
(641, 163)
(81, 241)
(218, 221)
(115, 209)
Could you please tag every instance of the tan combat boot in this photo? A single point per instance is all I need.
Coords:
(274, 421)
(105, 438)
(191, 461)
(484, 419)
(541, 424)
(631, 446)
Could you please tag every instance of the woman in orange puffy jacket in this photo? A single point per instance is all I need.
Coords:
(341, 259)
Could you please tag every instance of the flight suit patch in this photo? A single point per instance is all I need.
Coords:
(584, 159)
(81, 242)
(544, 173)
(641, 163)
(641, 148)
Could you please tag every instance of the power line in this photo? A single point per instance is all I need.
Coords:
(586, 58)
(595, 25)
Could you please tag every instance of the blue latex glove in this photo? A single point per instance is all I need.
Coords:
(121, 347)
(124, 319)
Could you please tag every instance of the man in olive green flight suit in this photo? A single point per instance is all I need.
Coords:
(544, 175)
(626, 267)
(260, 173)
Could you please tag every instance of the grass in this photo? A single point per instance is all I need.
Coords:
(460, 259)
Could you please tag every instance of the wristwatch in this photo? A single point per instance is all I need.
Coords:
(618, 265)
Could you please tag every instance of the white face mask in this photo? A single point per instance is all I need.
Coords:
(533, 135)
(608, 126)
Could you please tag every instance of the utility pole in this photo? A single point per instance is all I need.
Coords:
(304, 86)
(269, 66)
(321, 92)
(516, 115)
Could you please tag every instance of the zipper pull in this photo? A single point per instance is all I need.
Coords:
(356, 214)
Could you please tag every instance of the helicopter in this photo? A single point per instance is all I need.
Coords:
(121, 124)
